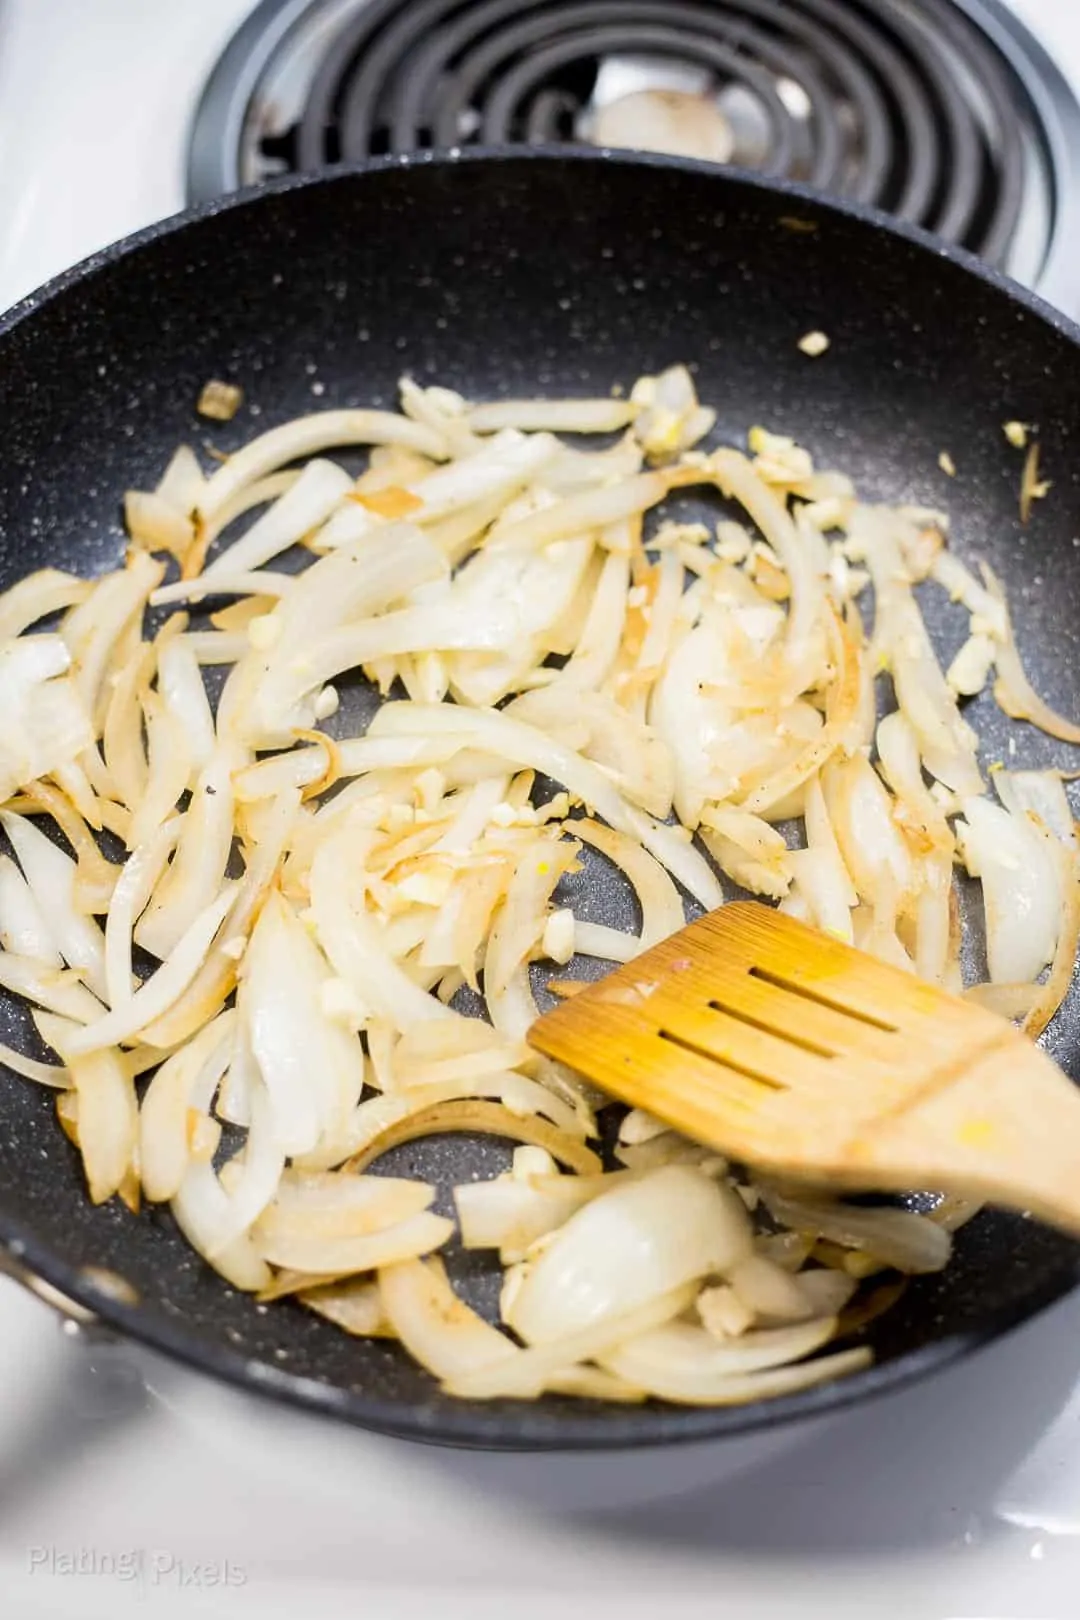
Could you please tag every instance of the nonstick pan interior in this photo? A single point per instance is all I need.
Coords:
(523, 274)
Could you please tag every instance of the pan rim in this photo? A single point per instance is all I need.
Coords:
(475, 1426)
(531, 1427)
(455, 157)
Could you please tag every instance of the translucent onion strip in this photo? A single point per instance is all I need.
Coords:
(133, 889)
(158, 993)
(677, 1364)
(553, 415)
(307, 436)
(491, 1118)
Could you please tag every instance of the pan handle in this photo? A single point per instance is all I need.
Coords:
(75, 1319)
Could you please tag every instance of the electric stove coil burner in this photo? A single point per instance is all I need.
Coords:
(915, 106)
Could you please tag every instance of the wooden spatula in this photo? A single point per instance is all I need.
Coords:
(787, 1050)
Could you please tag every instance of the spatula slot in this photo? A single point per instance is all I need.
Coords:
(776, 1029)
(684, 1045)
(793, 988)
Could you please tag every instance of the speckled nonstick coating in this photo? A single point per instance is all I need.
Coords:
(524, 273)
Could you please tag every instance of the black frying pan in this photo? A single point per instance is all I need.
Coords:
(529, 273)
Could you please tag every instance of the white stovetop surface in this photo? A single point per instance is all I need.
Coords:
(128, 1486)
(122, 1476)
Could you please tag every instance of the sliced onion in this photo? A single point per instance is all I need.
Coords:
(44, 717)
(169, 770)
(737, 478)
(182, 482)
(513, 1009)
(366, 1125)
(306, 437)
(352, 943)
(448, 1051)
(340, 1205)
(860, 813)
(769, 1291)
(661, 908)
(827, 1292)
(95, 877)
(441, 1332)
(510, 740)
(51, 876)
(180, 683)
(254, 583)
(578, 514)
(626, 749)
(93, 630)
(39, 596)
(609, 944)
(133, 889)
(354, 1306)
(842, 714)
(108, 1119)
(450, 1340)
(519, 925)
(821, 873)
(1014, 693)
(593, 659)
(258, 1173)
(443, 411)
(436, 1327)
(473, 814)
(45, 1074)
(320, 488)
(62, 993)
(510, 1214)
(197, 873)
(553, 415)
(312, 1066)
(594, 1384)
(199, 1208)
(672, 847)
(682, 1363)
(898, 1237)
(747, 850)
(240, 1081)
(184, 1083)
(212, 983)
(529, 1371)
(901, 766)
(23, 928)
(314, 1255)
(122, 738)
(950, 573)
(1022, 890)
(157, 995)
(632, 1244)
(1015, 1001)
(490, 1118)
(901, 640)
(1040, 796)
(155, 525)
(510, 606)
(496, 471)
